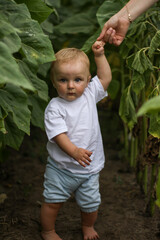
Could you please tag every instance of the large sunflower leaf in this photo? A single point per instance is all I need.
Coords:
(107, 10)
(40, 86)
(154, 126)
(151, 106)
(14, 136)
(36, 46)
(13, 100)
(127, 109)
(78, 23)
(155, 43)
(38, 9)
(38, 106)
(9, 70)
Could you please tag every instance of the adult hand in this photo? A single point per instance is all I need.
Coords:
(118, 24)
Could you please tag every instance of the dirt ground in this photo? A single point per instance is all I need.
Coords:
(121, 214)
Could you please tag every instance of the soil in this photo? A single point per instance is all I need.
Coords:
(122, 211)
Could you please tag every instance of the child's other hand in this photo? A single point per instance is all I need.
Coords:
(82, 156)
(98, 48)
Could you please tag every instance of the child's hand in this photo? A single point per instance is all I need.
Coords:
(82, 156)
(98, 48)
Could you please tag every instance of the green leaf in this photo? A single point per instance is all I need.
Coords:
(13, 42)
(141, 62)
(88, 44)
(36, 45)
(53, 3)
(2, 126)
(48, 27)
(38, 107)
(13, 100)
(156, 90)
(38, 9)
(9, 70)
(127, 109)
(14, 136)
(40, 86)
(138, 82)
(113, 88)
(5, 27)
(79, 4)
(154, 125)
(8, 35)
(9, 8)
(107, 10)
(44, 69)
(151, 106)
(22, 36)
(78, 23)
(155, 43)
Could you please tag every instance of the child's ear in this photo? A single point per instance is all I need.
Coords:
(53, 82)
(89, 79)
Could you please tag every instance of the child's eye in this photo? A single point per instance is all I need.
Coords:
(78, 80)
(62, 80)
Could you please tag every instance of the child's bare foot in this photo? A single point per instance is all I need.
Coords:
(89, 233)
(50, 235)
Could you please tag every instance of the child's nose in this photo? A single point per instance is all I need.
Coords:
(70, 84)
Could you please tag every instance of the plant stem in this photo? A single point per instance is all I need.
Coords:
(132, 151)
(145, 180)
(135, 150)
(152, 200)
(126, 145)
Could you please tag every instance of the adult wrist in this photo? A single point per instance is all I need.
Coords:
(125, 14)
(128, 13)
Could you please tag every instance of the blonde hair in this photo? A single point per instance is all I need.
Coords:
(69, 54)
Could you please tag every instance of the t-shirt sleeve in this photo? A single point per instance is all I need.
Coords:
(54, 123)
(97, 89)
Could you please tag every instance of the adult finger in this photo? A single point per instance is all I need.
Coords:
(110, 40)
(107, 35)
(117, 41)
(102, 34)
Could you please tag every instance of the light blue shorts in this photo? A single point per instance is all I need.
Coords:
(59, 184)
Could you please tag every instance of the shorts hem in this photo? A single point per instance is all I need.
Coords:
(53, 201)
(89, 210)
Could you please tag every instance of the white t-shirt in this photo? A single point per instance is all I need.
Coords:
(79, 120)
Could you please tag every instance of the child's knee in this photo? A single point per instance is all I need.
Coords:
(51, 206)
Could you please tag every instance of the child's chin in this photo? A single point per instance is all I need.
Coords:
(71, 97)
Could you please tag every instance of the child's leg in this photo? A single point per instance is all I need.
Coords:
(88, 221)
(88, 198)
(49, 213)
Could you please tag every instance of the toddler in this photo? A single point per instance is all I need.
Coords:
(74, 145)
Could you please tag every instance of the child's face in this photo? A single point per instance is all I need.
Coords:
(70, 79)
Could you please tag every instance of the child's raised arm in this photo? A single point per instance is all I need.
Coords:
(103, 68)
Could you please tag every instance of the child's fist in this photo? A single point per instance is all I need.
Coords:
(98, 48)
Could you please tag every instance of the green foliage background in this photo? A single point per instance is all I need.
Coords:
(23, 48)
